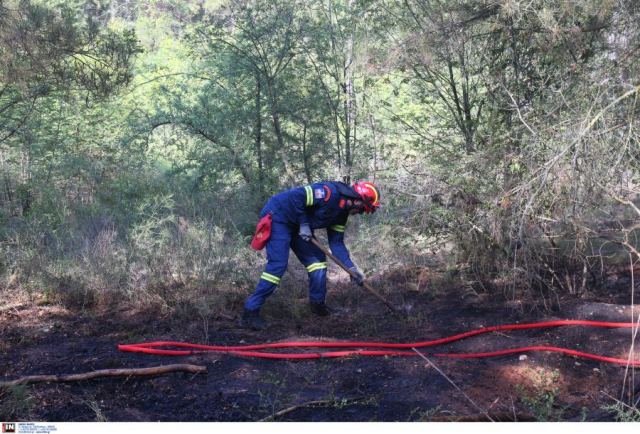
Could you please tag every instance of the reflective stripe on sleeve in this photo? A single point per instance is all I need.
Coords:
(337, 228)
(270, 278)
(309, 191)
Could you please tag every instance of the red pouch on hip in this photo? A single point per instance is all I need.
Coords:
(263, 232)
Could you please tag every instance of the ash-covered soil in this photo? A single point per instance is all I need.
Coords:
(538, 386)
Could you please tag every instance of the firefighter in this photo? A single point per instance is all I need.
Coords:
(287, 222)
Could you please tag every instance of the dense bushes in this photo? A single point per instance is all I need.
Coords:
(89, 258)
(503, 137)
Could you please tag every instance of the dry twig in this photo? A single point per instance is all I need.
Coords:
(484, 417)
(155, 370)
(484, 412)
(319, 402)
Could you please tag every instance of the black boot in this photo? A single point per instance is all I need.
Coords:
(251, 319)
(320, 309)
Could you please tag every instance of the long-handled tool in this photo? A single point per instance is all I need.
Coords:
(353, 274)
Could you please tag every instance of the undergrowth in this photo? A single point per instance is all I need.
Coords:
(15, 403)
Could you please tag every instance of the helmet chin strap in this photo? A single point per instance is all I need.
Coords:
(358, 207)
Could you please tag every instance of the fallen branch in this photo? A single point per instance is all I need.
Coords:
(321, 402)
(494, 417)
(484, 412)
(156, 370)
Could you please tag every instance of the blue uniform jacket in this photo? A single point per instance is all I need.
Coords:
(321, 205)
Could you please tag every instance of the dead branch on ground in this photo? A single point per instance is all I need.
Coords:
(484, 412)
(136, 372)
(494, 417)
(318, 403)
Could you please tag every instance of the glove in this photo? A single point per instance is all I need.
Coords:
(305, 232)
(357, 277)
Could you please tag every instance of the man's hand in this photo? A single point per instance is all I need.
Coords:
(305, 232)
(357, 277)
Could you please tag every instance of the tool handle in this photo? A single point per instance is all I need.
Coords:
(352, 274)
(333, 257)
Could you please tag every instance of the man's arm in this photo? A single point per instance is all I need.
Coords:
(302, 200)
(335, 234)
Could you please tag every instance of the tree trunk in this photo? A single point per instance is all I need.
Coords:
(275, 117)
(258, 136)
(349, 117)
(305, 155)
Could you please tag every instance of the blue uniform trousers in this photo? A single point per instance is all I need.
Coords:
(285, 237)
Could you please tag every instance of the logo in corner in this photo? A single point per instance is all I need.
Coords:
(8, 427)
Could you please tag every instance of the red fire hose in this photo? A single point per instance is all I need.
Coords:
(384, 348)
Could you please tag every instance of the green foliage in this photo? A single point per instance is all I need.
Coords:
(15, 403)
(542, 400)
(623, 412)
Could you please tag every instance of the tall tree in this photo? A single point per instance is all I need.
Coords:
(52, 53)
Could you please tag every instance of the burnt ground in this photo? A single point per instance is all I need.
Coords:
(541, 386)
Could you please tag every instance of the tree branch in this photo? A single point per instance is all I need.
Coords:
(156, 370)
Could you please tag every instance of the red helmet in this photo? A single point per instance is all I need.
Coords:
(369, 194)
